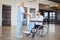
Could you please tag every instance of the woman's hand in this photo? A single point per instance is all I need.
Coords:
(28, 15)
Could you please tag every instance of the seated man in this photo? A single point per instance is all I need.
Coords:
(30, 25)
(39, 17)
(35, 25)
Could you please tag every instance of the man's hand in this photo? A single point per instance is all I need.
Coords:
(28, 15)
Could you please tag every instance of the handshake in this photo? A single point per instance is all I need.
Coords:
(28, 15)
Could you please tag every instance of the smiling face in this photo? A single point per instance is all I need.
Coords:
(38, 13)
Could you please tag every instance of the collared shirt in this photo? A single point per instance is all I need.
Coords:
(39, 18)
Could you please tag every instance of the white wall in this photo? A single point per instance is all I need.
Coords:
(0, 12)
(13, 11)
(31, 5)
(14, 8)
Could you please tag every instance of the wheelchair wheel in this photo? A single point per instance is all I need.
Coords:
(43, 31)
(33, 31)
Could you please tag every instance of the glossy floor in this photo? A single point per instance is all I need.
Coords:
(9, 33)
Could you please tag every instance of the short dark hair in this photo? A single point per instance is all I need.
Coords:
(39, 12)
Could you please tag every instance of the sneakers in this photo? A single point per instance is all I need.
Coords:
(19, 36)
(26, 32)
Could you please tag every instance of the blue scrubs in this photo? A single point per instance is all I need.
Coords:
(20, 19)
(30, 26)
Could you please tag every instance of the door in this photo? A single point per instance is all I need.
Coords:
(46, 17)
(6, 15)
(52, 17)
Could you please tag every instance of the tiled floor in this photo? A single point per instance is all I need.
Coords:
(9, 33)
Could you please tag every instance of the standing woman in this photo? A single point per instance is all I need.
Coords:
(20, 19)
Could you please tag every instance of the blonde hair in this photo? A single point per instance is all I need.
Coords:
(20, 3)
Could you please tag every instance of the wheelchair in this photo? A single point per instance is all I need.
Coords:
(40, 31)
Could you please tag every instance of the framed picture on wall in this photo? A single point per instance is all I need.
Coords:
(32, 11)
